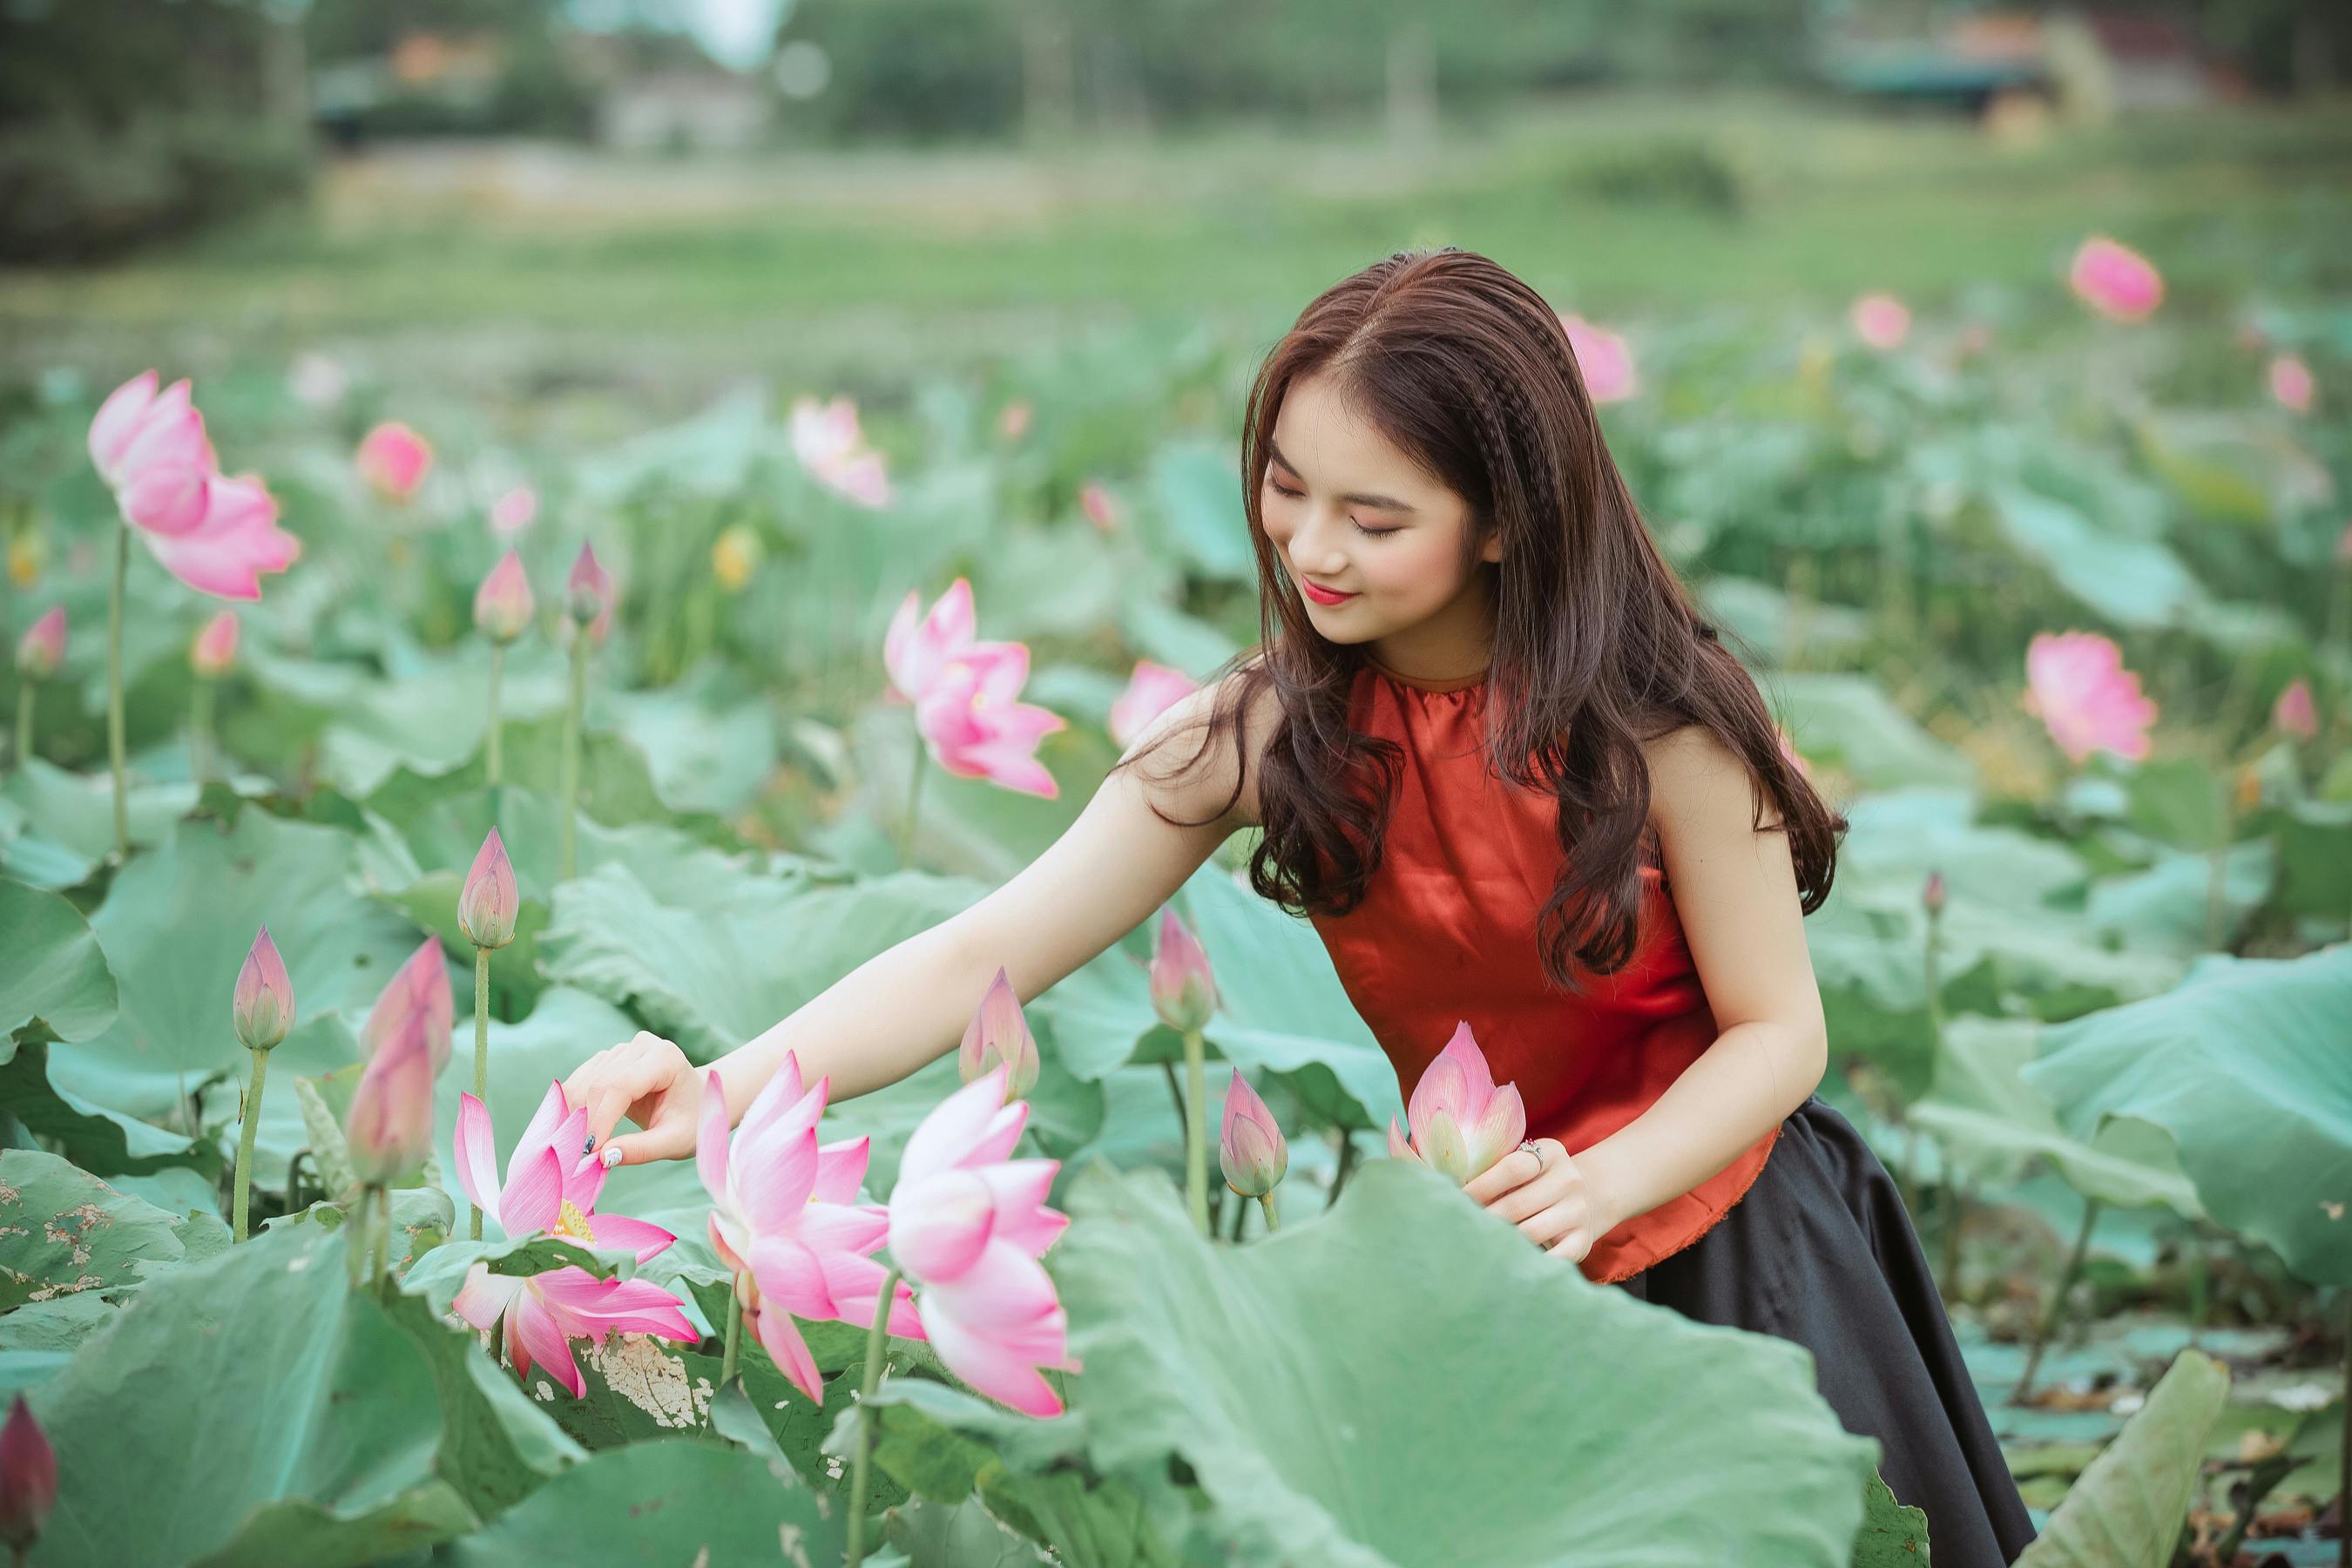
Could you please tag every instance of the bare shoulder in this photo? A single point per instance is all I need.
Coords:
(1695, 775)
(1182, 780)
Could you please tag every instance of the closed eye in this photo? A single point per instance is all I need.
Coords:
(1360, 528)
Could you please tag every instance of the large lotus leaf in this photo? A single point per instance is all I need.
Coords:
(710, 739)
(2314, 852)
(360, 1429)
(1280, 1006)
(937, 1535)
(76, 811)
(106, 1142)
(1894, 1535)
(972, 826)
(2132, 581)
(2126, 1510)
(664, 1502)
(2179, 802)
(616, 780)
(2229, 467)
(1343, 1385)
(2244, 1066)
(63, 1231)
(1197, 514)
(1850, 721)
(34, 858)
(748, 950)
(1770, 622)
(1168, 636)
(1994, 1121)
(54, 971)
(2163, 907)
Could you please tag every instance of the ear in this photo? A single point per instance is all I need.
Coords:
(1494, 547)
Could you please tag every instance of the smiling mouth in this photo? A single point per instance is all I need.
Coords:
(1322, 595)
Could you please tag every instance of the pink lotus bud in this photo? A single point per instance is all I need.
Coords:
(2295, 713)
(1251, 1150)
(1100, 510)
(1150, 691)
(43, 646)
(2292, 384)
(502, 605)
(588, 595)
(394, 460)
(417, 1003)
(264, 1004)
(488, 906)
(1014, 423)
(2077, 686)
(513, 511)
(389, 1127)
(28, 1477)
(214, 649)
(1184, 991)
(1461, 1122)
(999, 1034)
(1932, 895)
(2114, 280)
(1602, 358)
(1882, 320)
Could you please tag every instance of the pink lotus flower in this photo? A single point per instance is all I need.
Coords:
(1461, 1122)
(513, 511)
(1014, 423)
(216, 533)
(998, 1035)
(829, 444)
(975, 727)
(28, 1477)
(416, 1004)
(1882, 320)
(1602, 358)
(503, 605)
(548, 1191)
(263, 1005)
(589, 596)
(389, 1127)
(1183, 989)
(784, 1210)
(2291, 383)
(490, 901)
(1152, 691)
(1932, 894)
(920, 643)
(968, 1226)
(213, 652)
(2077, 686)
(2114, 280)
(2295, 713)
(43, 646)
(1100, 510)
(1251, 1149)
(394, 460)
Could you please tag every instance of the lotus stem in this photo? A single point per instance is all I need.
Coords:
(2343, 1536)
(860, 1458)
(1347, 1163)
(241, 1207)
(1955, 1216)
(1175, 1093)
(1266, 1201)
(914, 793)
(2217, 892)
(1196, 1132)
(734, 1331)
(200, 729)
(481, 1054)
(25, 692)
(383, 1259)
(573, 716)
(2056, 1309)
(355, 1233)
(492, 761)
(114, 741)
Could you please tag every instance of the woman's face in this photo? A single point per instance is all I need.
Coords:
(1345, 509)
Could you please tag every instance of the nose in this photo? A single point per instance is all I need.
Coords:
(1315, 545)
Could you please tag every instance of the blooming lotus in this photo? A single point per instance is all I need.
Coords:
(218, 534)
(975, 727)
(513, 511)
(1251, 1150)
(1882, 320)
(1461, 1122)
(262, 1007)
(1603, 358)
(920, 643)
(2292, 384)
(213, 652)
(1183, 988)
(2295, 713)
(1152, 691)
(43, 646)
(490, 901)
(549, 1191)
(2078, 687)
(394, 460)
(416, 1004)
(999, 1034)
(968, 1226)
(503, 605)
(783, 1209)
(829, 444)
(2115, 280)
(588, 595)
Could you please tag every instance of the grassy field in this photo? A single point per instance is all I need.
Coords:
(488, 261)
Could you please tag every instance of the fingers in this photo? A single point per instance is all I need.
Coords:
(612, 1081)
(671, 1137)
(1513, 1170)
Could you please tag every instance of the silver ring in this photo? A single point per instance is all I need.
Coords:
(1530, 1145)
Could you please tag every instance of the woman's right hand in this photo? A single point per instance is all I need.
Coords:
(648, 1081)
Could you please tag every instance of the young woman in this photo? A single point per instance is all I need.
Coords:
(1512, 777)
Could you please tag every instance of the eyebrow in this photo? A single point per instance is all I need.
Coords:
(1384, 503)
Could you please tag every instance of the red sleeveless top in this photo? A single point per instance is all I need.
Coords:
(1446, 933)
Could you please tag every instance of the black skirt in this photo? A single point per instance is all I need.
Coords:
(1820, 1251)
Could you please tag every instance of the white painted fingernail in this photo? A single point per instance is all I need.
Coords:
(611, 1156)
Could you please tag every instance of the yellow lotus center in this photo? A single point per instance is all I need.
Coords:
(570, 1222)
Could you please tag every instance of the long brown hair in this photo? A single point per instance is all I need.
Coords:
(1598, 646)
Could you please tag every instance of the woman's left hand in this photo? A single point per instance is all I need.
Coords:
(1552, 1200)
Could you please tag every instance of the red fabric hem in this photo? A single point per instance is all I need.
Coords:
(1772, 1141)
